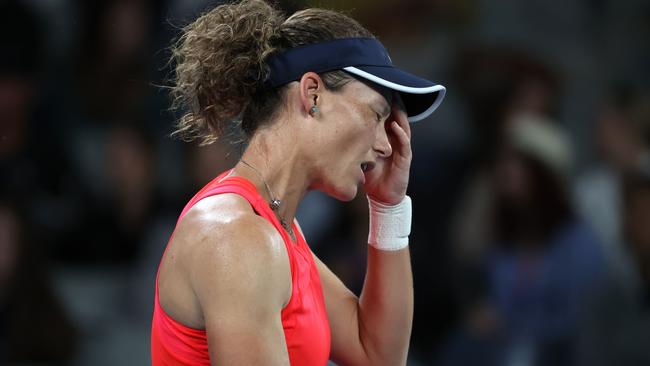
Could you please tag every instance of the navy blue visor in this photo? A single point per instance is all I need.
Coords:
(364, 58)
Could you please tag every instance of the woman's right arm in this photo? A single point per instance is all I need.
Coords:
(241, 276)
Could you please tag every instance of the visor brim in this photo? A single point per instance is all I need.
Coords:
(421, 97)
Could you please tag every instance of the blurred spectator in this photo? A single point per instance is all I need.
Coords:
(34, 328)
(20, 68)
(620, 141)
(111, 135)
(619, 327)
(543, 264)
(114, 57)
(500, 83)
(621, 319)
(109, 83)
(494, 84)
(35, 171)
(115, 223)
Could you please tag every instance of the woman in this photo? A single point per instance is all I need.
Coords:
(238, 284)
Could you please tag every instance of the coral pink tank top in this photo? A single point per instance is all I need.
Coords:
(304, 318)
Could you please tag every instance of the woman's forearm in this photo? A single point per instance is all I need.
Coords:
(386, 306)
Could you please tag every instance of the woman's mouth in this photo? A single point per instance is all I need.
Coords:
(367, 166)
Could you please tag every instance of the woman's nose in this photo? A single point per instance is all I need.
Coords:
(382, 143)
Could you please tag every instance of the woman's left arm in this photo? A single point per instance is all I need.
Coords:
(375, 328)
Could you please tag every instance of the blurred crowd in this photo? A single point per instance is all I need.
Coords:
(531, 184)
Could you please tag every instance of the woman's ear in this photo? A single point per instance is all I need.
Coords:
(311, 90)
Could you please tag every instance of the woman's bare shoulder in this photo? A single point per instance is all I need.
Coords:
(224, 241)
(227, 223)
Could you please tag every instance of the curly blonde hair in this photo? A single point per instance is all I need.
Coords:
(220, 64)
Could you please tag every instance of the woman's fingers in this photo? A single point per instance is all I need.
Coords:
(402, 119)
(403, 140)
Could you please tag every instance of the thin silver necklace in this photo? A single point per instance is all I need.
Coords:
(274, 203)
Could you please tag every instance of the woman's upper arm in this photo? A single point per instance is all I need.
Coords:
(242, 279)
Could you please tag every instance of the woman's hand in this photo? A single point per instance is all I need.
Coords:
(388, 181)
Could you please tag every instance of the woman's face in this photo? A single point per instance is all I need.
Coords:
(351, 137)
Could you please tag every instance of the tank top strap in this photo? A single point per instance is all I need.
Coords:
(203, 193)
(225, 183)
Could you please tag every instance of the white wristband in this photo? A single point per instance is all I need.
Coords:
(390, 226)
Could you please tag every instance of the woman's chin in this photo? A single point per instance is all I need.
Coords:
(345, 195)
(340, 190)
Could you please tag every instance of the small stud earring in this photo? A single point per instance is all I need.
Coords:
(314, 110)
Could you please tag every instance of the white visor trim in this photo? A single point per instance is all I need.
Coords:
(404, 89)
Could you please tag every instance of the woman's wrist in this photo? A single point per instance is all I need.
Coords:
(390, 225)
